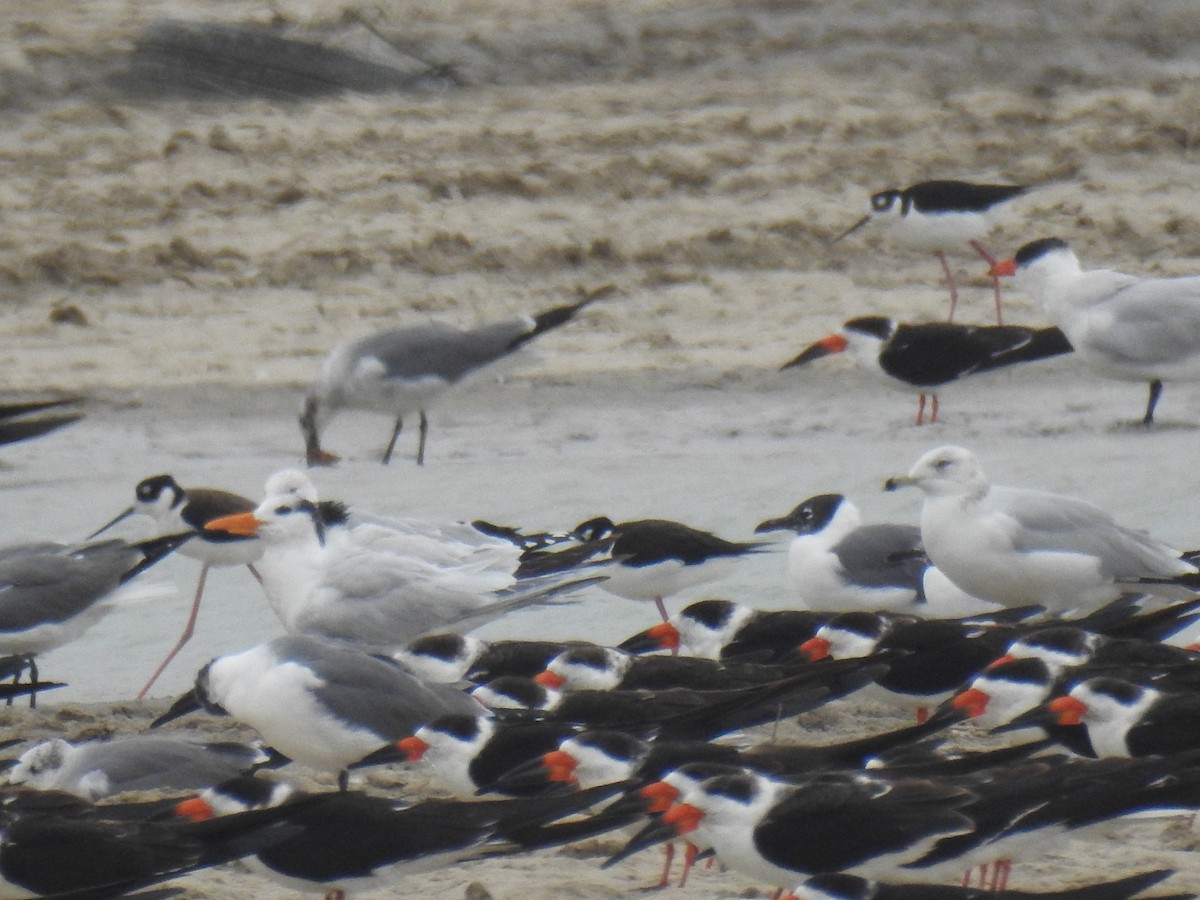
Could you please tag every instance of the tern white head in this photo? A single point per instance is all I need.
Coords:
(1124, 326)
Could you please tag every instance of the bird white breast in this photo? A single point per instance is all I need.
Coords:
(661, 579)
(939, 231)
(278, 702)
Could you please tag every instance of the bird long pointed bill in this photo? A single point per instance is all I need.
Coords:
(853, 228)
(103, 528)
(898, 481)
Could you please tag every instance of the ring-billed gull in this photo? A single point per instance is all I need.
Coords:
(1015, 546)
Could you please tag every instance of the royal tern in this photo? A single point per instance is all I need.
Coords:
(1126, 327)
(364, 585)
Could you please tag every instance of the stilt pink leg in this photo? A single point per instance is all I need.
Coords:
(921, 411)
(183, 638)
(950, 283)
(933, 408)
(991, 261)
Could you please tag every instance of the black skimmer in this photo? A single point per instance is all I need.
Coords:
(932, 657)
(851, 887)
(60, 846)
(97, 769)
(838, 564)
(366, 585)
(451, 658)
(322, 705)
(655, 558)
(403, 370)
(176, 510)
(724, 630)
(18, 421)
(1124, 719)
(596, 668)
(781, 832)
(1126, 327)
(348, 840)
(937, 216)
(679, 712)
(1014, 546)
(470, 753)
(922, 357)
(52, 593)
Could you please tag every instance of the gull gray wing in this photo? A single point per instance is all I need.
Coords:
(440, 351)
(882, 555)
(53, 586)
(1054, 523)
(371, 691)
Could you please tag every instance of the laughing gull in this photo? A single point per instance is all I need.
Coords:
(1126, 327)
(320, 704)
(175, 510)
(925, 356)
(937, 216)
(1015, 546)
(365, 585)
(50, 594)
(403, 370)
(144, 762)
(838, 564)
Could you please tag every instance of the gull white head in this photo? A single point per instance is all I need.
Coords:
(944, 471)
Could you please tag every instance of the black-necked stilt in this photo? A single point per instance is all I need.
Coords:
(941, 216)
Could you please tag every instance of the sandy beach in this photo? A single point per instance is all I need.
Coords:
(184, 264)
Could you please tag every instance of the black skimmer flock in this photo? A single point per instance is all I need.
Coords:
(1124, 326)
(925, 357)
(941, 216)
(403, 370)
(702, 728)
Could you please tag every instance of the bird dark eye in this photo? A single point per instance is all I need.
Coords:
(806, 514)
(941, 464)
(282, 510)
